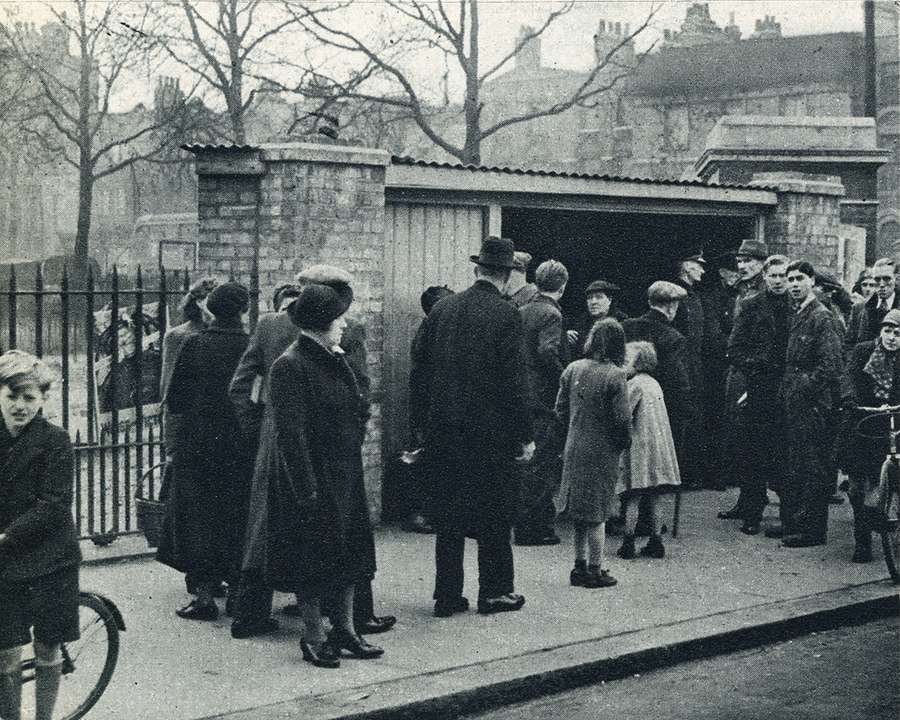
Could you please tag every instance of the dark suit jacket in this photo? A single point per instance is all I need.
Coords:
(546, 350)
(468, 384)
(671, 369)
(36, 471)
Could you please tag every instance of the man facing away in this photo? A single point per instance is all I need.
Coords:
(519, 291)
(546, 356)
(813, 364)
(757, 348)
(468, 386)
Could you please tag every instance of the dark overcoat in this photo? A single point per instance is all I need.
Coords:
(468, 389)
(671, 369)
(319, 536)
(173, 341)
(546, 351)
(36, 502)
(211, 460)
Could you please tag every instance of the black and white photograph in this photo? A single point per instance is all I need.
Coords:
(449, 359)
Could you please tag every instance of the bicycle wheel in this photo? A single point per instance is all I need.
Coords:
(89, 662)
(890, 527)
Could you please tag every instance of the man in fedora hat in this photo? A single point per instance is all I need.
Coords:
(749, 258)
(468, 390)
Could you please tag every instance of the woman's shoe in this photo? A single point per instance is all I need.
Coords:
(323, 654)
(196, 610)
(627, 551)
(354, 644)
(578, 574)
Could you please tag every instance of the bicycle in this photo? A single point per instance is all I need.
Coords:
(88, 663)
(886, 520)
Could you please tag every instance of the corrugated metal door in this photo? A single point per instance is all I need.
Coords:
(424, 245)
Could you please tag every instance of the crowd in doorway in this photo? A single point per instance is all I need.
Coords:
(518, 415)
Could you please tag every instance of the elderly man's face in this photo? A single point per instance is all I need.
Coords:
(890, 337)
(692, 272)
(885, 280)
(748, 267)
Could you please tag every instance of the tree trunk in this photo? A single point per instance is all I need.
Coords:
(472, 104)
(85, 203)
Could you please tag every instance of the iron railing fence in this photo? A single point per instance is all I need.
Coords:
(104, 336)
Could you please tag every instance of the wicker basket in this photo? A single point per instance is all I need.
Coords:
(150, 512)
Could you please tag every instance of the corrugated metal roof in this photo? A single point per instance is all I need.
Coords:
(229, 148)
(535, 172)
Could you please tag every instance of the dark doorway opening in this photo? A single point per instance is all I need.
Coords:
(629, 249)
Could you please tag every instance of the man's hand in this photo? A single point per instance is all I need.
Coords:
(2, 539)
(527, 453)
(572, 335)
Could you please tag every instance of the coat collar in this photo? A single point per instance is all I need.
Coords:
(655, 315)
(485, 286)
(541, 298)
(227, 327)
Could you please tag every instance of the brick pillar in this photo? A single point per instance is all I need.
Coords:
(280, 208)
(805, 225)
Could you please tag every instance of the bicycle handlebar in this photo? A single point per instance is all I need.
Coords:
(881, 409)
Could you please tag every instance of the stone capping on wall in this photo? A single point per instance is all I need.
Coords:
(318, 153)
(797, 182)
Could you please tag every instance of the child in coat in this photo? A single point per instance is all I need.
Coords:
(649, 466)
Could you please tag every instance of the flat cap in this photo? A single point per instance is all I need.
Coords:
(753, 248)
(324, 275)
(663, 291)
(521, 260)
(892, 318)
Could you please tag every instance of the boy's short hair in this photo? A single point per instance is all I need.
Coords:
(775, 260)
(550, 276)
(19, 368)
(802, 266)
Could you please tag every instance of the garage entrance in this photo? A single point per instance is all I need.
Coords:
(629, 249)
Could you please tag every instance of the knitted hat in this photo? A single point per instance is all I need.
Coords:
(317, 307)
(228, 300)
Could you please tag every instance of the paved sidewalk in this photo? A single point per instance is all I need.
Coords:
(715, 590)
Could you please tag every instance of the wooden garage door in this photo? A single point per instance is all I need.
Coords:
(424, 245)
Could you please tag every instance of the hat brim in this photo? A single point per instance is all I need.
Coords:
(478, 261)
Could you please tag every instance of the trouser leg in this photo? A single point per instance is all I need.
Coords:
(862, 528)
(449, 549)
(363, 602)
(540, 481)
(495, 562)
(253, 600)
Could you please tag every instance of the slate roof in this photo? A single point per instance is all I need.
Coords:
(751, 64)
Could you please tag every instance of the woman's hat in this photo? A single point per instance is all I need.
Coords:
(317, 307)
(601, 286)
(892, 318)
(228, 300)
(496, 252)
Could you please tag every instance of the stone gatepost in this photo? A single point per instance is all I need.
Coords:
(267, 212)
(806, 223)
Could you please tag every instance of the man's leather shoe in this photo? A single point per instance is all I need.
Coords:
(323, 655)
(862, 554)
(196, 610)
(600, 579)
(750, 528)
(241, 630)
(734, 513)
(537, 540)
(801, 540)
(354, 644)
(446, 608)
(505, 603)
(375, 624)
(776, 531)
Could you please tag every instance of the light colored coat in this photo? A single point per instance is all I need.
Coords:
(593, 404)
(651, 461)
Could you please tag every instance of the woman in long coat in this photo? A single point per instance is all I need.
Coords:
(212, 463)
(593, 404)
(320, 541)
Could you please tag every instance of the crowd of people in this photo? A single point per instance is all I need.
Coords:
(518, 414)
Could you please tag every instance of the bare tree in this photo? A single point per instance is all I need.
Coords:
(67, 109)
(230, 45)
(456, 32)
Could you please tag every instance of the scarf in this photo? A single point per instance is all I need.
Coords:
(881, 369)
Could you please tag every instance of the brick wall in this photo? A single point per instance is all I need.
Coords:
(285, 207)
(806, 223)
